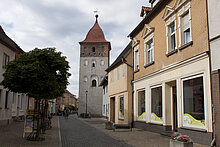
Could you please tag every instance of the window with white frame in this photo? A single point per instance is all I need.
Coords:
(112, 76)
(6, 59)
(121, 107)
(149, 51)
(136, 58)
(123, 70)
(156, 104)
(185, 28)
(193, 102)
(172, 37)
(141, 105)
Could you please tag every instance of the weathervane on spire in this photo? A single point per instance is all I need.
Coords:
(96, 13)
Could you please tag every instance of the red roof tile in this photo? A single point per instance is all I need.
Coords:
(95, 34)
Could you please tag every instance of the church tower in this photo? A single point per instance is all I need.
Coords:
(94, 60)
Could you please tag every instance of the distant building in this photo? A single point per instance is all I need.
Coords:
(120, 88)
(12, 105)
(94, 59)
(105, 100)
(214, 41)
(67, 99)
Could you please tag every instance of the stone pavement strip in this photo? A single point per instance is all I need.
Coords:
(136, 137)
(11, 136)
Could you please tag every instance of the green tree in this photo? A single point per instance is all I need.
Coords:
(40, 73)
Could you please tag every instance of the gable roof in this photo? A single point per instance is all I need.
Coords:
(7, 41)
(69, 92)
(119, 58)
(95, 34)
(156, 9)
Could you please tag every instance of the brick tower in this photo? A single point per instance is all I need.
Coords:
(94, 59)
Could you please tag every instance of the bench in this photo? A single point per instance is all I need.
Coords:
(122, 126)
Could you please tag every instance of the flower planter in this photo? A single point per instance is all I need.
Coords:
(176, 143)
(109, 125)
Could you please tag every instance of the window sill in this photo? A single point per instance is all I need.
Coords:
(186, 45)
(195, 129)
(122, 119)
(149, 64)
(136, 71)
(155, 123)
(171, 52)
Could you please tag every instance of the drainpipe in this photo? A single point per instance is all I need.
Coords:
(210, 68)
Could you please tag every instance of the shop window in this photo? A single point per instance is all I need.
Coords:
(121, 107)
(193, 100)
(141, 105)
(156, 104)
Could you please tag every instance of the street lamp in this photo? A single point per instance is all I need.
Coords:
(86, 101)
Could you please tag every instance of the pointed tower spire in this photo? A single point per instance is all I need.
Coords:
(95, 34)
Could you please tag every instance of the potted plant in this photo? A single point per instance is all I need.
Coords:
(179, 140)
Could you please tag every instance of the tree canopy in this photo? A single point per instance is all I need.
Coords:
(40, 73)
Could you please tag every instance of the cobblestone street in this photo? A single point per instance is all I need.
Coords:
(76, 133)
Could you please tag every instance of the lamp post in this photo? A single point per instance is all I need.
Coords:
(86, 101)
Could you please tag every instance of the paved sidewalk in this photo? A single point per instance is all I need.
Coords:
(11, 136)
(136, 137)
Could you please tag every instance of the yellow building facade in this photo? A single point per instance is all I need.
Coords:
(172, 91)
(120, 88)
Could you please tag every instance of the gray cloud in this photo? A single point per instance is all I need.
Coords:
(64, 23)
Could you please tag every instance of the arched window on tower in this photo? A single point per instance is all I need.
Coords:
(93, 49)
(93, 63)
(93, 83)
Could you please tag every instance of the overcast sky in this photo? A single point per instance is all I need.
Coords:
(64, 23)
